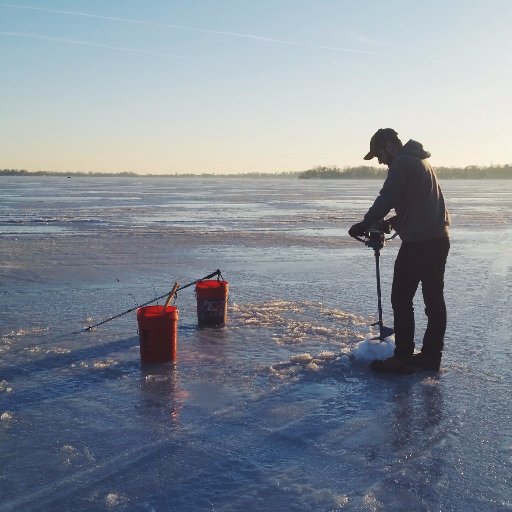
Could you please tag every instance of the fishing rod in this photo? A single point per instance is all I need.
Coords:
(168, 294)
(375, 238)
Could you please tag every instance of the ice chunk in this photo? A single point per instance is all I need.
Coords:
(369, 349)
(301, 358)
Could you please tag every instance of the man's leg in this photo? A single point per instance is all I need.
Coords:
(432, 282)
(406, 278)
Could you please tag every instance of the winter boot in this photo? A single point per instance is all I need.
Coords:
(397, 365)
(426, 362)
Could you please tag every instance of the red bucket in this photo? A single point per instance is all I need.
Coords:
(212, 302)
(158, 333)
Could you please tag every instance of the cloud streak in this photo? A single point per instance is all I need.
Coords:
(99, 45)
(193, 29)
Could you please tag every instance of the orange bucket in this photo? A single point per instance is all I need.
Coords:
(158, 333)
(212, 302)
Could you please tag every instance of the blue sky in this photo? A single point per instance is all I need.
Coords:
(239, 86)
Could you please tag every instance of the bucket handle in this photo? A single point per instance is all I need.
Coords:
(173, 292)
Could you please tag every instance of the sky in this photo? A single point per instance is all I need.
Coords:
(234, 86)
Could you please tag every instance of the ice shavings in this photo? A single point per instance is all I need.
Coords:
(69, 453)
(5, 387)
(298, 322)
(107, 363)
(301, 358)
(99, 365)
(300, 363)
(371, 501)
(158, 378)
(73, 456)
(338, 336)
(81, 364)
(7, 340)
(55, 350)
(114, 499)
(370, 349)
(26, 332)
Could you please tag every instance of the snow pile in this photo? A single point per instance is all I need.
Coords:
(369, 349)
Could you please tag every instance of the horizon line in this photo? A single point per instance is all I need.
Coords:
(340, 170)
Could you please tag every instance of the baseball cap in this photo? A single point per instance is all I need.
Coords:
(379, 140)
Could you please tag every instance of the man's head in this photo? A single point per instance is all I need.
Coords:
(384, 145)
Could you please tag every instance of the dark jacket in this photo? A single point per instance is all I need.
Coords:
(412, 190)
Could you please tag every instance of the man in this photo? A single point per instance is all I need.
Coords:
(412, 190)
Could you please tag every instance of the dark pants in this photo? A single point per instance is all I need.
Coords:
(420, 262)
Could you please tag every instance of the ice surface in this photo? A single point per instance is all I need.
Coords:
(277, 410)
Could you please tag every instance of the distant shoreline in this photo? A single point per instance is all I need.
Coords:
(317, 173)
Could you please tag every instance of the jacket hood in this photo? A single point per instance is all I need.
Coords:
(414, 148)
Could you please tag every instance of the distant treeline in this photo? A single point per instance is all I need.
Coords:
(366, 172)
(331, 173)
(23, 172)
(474, 172)
(320, 172)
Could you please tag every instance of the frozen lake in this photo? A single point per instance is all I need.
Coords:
(272, 412)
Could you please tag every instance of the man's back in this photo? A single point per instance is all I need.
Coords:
(412, 190)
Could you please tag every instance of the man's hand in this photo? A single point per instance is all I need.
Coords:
(384, 226)
(358, 229)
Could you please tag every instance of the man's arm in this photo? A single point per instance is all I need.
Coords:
(388, 196)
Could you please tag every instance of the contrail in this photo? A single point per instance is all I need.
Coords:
(192, 29)
(99, 45)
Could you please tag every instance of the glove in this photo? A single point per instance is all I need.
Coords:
(384, 226)
(358, 229)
